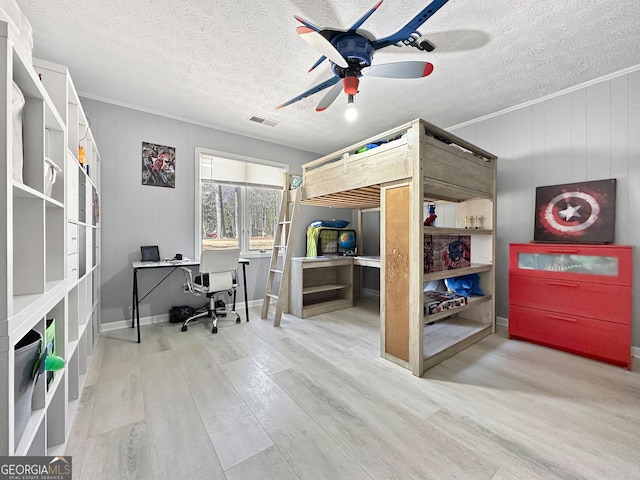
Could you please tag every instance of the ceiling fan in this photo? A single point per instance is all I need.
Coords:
(350, 54)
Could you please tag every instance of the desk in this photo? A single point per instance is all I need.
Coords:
(363, 261)
(173, 265)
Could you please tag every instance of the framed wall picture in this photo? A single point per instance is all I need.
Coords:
(158, 165)
(582, 212)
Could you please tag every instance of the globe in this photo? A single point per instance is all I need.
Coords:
(347, 240)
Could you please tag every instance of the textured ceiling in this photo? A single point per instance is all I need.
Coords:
(218, 62)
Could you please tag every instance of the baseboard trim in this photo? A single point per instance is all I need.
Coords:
(163, 318)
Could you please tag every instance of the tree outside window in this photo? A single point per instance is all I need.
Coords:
(234, 211)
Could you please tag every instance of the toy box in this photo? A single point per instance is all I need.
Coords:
(446, 252)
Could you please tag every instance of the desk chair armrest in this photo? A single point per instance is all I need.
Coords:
(188, 277)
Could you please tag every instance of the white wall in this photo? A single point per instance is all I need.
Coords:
(133, 215)
(591, 133)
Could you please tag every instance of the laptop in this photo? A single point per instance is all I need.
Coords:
(150, 253)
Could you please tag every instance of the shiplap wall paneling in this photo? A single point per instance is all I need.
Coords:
(589, 134)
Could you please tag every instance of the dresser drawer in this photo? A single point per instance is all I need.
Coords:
(592, 300)
(597, 339)
(611, 264)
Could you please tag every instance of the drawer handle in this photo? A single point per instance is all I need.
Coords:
(563, 284)
(563, 250)
(563, 319)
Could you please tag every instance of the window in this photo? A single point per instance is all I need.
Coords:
(238, 201)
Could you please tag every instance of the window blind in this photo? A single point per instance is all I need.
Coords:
(239, 172)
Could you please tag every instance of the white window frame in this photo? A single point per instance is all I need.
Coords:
(244, 220)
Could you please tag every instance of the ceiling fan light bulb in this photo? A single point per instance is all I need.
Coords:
(351, 114)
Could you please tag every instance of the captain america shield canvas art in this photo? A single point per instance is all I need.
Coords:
(576, 212)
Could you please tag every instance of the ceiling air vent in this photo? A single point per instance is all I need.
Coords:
(263, 121)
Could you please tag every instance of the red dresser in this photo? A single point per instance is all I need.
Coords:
(575, 298)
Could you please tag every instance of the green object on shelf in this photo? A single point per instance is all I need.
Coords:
(53, 363)
(50, 339)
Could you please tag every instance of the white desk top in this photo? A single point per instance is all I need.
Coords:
(165, 263)
(174, 263)
(363, 261)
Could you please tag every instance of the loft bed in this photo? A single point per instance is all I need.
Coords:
(353, 180)
(402, 169)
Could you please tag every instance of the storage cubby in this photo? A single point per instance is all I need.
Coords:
(55, 224)
(73, 373)
(40, 232)
(38, 445)
(320, 285)
(28, 247)
(56, 415)
(72, 323)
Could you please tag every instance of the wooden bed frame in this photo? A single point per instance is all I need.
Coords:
(415, 163)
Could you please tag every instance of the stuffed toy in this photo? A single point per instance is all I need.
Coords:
(466, 285)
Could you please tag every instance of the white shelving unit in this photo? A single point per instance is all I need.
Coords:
(320, 285)
(40, 226)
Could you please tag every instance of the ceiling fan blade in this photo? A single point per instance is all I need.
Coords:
(362, 19)
(306, 23)
(322, 45)
(411, 27)
(311, 91)
(320, 60)
(329, 97)
(399, 70)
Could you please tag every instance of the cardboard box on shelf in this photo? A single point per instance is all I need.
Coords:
(436, 302)
(446, 252)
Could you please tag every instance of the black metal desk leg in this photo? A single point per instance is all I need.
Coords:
(134, 300)
(138, 317)
(135, 317)
(244, 281)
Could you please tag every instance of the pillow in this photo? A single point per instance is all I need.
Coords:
(335, 223)
(466, 285)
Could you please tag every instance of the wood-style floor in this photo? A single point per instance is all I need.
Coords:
(313, 400)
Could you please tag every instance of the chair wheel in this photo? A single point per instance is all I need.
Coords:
(238, 320)
(184, 328)
(214, 330)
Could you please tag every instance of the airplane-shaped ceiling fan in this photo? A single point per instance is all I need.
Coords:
(350, 54)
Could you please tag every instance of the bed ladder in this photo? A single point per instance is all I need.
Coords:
(282, 240)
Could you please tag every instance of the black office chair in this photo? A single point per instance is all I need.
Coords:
(218, 274)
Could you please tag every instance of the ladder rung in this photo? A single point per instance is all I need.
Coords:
(286, 221)
(279, 246)
(271, 295)
(277, 271)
